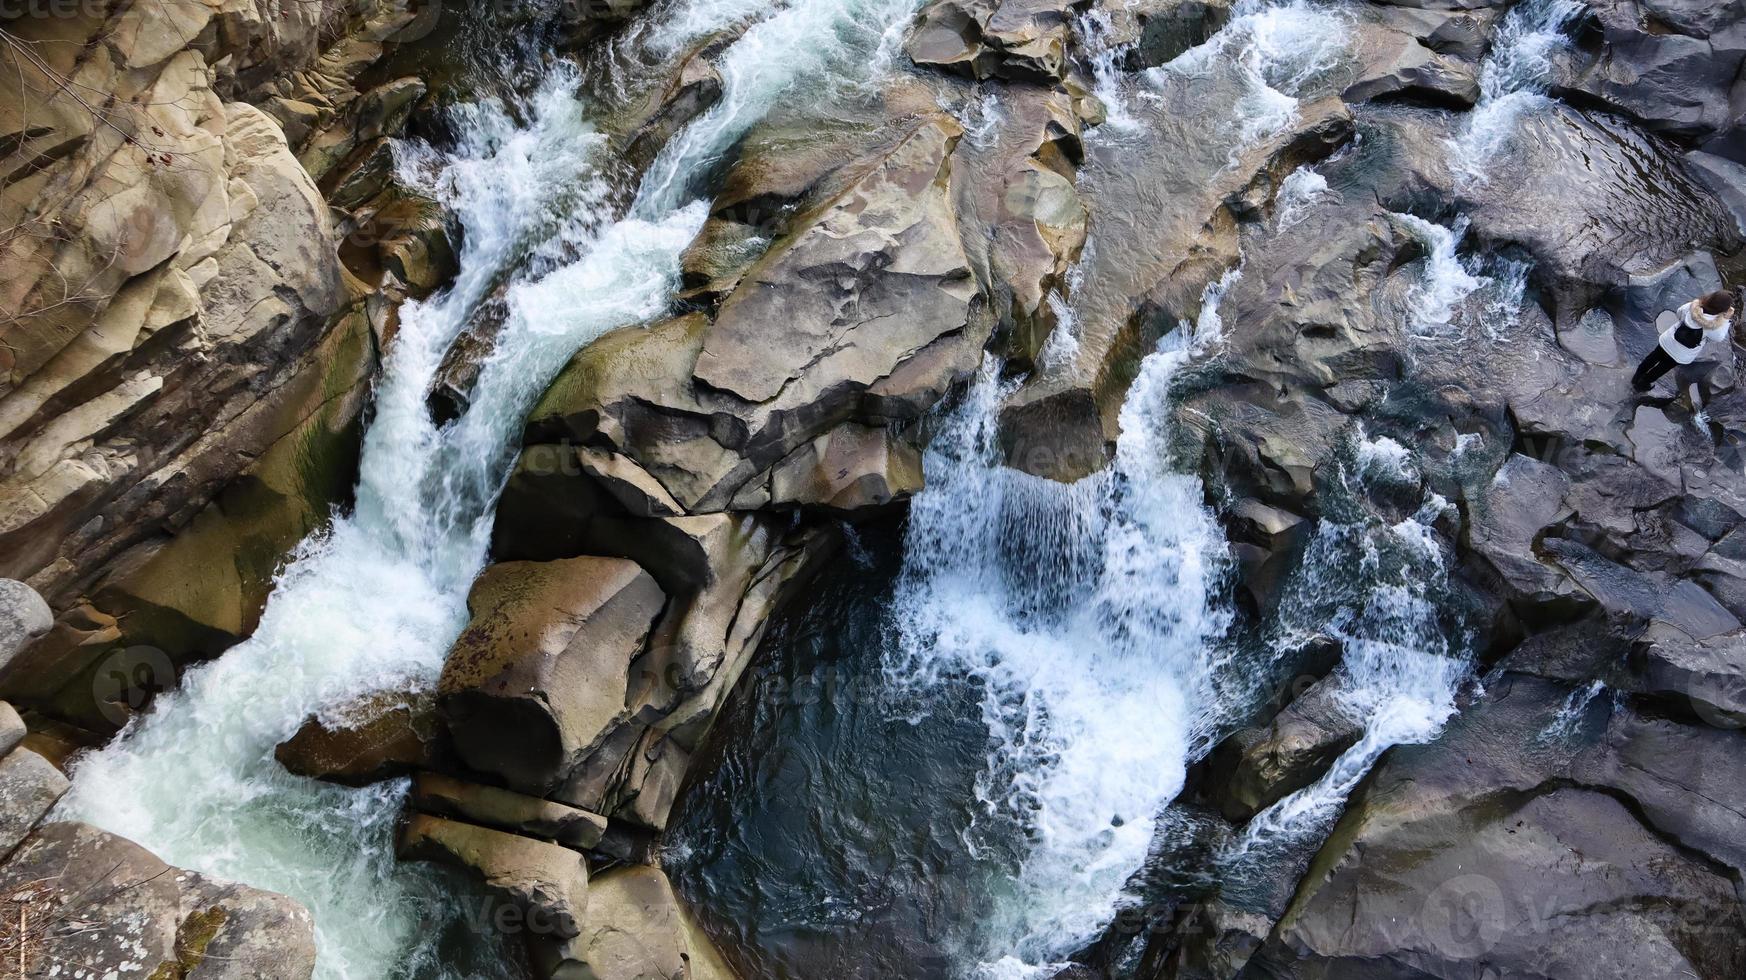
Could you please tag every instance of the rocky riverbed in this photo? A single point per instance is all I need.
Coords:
(705, 489)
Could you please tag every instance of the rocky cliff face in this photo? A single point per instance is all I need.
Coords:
(186, 355)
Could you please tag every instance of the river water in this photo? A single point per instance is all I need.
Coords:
(1032, 666)
(374, 602)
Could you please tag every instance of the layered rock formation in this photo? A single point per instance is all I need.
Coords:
(81, 902)
(189, 344)
(186, 351)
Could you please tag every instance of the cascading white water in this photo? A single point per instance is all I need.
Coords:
(1086, 613)
(1301, 190)
(1279, 48)
(1457, 294)
(1512, 82)
(1094, 28)
(1571, 713)
(1375, 588)
(374, 603)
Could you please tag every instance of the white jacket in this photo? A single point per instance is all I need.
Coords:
(1715, 329)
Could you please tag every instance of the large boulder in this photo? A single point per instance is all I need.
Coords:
(30, 786)
(634, 929)
(547, 883)
(380, 737)
(137, 917)
(1671, 65)
(24, 616)
(868, 307)
(540, 676)
(1015, 39)
(1530, 848)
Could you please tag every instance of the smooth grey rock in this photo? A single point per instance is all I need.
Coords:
(24, 616)
(138, 917)
(12, 730)
(30, 785)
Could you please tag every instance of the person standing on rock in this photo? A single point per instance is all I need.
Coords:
(1703, 323)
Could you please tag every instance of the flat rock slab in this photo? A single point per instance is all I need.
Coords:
(107, 907)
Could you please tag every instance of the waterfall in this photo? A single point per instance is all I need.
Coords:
(1301, 190)
(1279, 48)
(1512, 82)
(374, 602)
(1380, 590)
(1087, 616)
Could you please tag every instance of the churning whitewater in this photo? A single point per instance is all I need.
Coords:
(375, 602)
(1090, 618)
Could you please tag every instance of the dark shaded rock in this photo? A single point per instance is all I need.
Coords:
(1016, 39)
(529, 816)
(1477, 849)
(1671, 65)
(380, 737)
(1708, 674)
(1159, 30)
(1261, 766)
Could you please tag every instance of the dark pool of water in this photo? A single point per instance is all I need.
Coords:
(832, 833)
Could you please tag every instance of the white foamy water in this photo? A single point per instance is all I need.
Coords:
(1086, 615)
(1459, 296)
(1513, 81)
(1109, 82)
(1280, 49)
(375, 602)
(1301, 190)
(1571, 713)
(1376, 588)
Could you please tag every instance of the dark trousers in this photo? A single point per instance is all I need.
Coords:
(1653, 367)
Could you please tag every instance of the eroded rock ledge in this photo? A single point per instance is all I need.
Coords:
(191, 317)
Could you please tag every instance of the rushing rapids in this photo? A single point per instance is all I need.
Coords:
(374, 603)
(1180, 450)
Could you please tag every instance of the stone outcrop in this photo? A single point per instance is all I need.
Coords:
(540, 676)
(380, 737)
(1495, 845)
(79, 901)
(76, 900)
(187, 339)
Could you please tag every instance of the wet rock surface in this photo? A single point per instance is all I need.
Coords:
(1360, 256)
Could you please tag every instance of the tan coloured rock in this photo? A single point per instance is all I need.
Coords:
(540, 675)
(384, 736)
(174, 274)
(139, 917)
(548, 882)
(1016, 39)
(634, 930)
(818, 330)
(530, 816)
